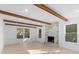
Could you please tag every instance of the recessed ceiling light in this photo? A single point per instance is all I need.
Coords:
(77, 10)
(26, 10)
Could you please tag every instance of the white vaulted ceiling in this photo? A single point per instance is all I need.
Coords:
(67, 11)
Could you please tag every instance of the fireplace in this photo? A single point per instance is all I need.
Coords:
(51, 39)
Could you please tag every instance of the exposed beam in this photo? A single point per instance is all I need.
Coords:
(49, 10)
(21, 23)
(23, 17)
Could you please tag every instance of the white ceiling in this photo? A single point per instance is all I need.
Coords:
(67, 11)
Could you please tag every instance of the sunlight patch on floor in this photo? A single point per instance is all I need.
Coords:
(36, 51)
(57, 51)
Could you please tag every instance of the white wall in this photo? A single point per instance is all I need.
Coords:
(43, 38)
(10, 35)
(1, 35)
(10, 31)
(62, 32)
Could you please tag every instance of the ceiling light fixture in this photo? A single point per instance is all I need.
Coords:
(26, 10)
(77, 10)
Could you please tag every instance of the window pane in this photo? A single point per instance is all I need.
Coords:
(39, 33)
(19, 33)
(27, 33)
(71, 33)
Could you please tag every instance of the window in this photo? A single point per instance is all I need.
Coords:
(71, 33)
(39, 33)
(19, 33)
(27, 33)
(23, 33)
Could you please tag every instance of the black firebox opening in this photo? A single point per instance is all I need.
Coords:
(51, 39)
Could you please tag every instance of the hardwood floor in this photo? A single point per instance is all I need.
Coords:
(36, 48)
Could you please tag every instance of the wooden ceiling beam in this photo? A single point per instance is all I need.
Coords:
(21, 23)
(23, 17)
(49, 10)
